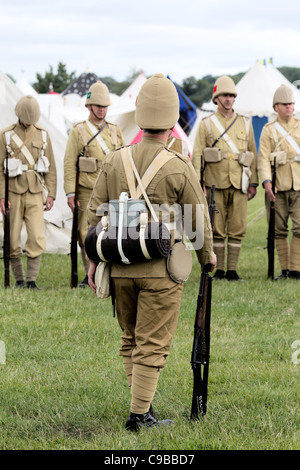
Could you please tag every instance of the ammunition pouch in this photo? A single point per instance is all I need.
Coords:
(15, 167)
(212, 154)
(281, 157)
(88, 164)
(246, 158)
(42, 165)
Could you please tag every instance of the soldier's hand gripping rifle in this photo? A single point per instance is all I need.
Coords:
(271, 229)
(74, 235)
(6, 241)
(201, 343)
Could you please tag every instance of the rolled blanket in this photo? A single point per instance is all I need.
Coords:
(90, 244)
(137, 245)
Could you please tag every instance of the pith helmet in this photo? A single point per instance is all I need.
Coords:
(157, 105)
(28, 110)
(284, 94)
(98, 94)
(223, 86)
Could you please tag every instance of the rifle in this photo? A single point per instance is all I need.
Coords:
(271, 229)
(202, 172)
(74, 235)
(6, 241)
(201, 343)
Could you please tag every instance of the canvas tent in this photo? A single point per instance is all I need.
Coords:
(57, 221)
(187, 109)
(255, 94)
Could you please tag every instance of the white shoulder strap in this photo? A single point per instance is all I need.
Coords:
(225, 136)
(154, 216)
(288, 137)
(122, 210)
(7, 138)
(24, 150)
(99, 139)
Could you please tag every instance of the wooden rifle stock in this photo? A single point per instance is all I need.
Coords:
(201, 342)
(271, 229)
(6, 241)
(74, 235)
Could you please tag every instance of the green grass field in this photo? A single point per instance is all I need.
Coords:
(63, 384)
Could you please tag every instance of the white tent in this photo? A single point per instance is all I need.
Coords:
(256, 89)
(25, 87)
(58, 220)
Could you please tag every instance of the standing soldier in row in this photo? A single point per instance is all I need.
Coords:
(281, 139)
(94, 138)
(30, 161)
(225, 153)
(147, 299)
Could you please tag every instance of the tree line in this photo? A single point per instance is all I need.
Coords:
(199, 91)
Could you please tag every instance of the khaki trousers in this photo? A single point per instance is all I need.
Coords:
(84, 195)
(147, 311)
(231, 219)
(287, 205)
(29, 208)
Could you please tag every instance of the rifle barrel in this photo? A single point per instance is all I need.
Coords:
(201, 343)
(74, 235)
(271, 229)
(6, 241)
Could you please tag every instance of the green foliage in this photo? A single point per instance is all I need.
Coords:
(119, 87)
(115, 87)
(291, 73)
(59, 80)
(63, 385)
(198, 90)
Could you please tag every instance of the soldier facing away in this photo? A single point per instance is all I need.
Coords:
(147, 299)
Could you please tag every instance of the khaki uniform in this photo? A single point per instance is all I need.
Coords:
(151, 303)
(25, 193)
(226, 175)
(287, 184)
(78, 138)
